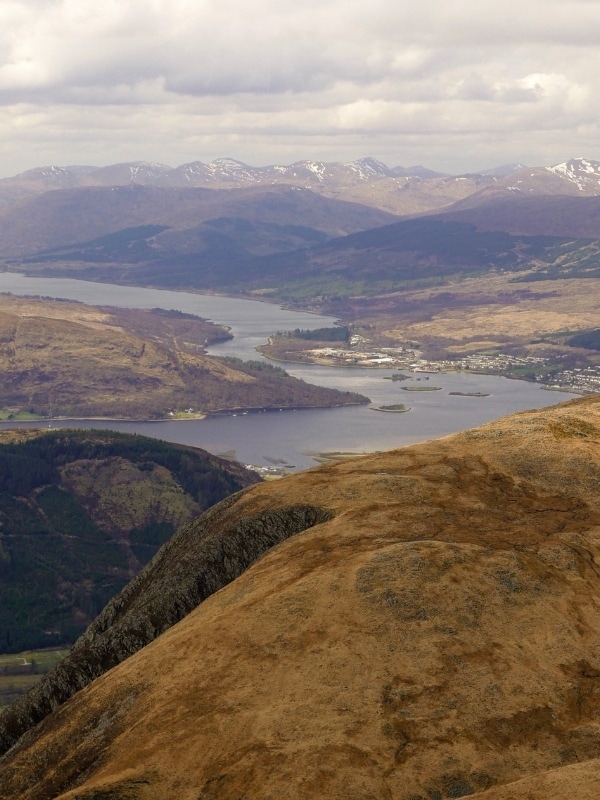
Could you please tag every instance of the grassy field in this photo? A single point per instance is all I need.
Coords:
(20, 671)
(17, 416)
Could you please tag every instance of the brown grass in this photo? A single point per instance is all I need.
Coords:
(482, 312)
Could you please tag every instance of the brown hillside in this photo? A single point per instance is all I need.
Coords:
(437, 637)
(68, 359)
(65, 217)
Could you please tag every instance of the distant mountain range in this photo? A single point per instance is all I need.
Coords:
(232, 227)
(356, 180)
(221, 173)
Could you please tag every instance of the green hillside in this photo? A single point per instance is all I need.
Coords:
(80, 513)
(414, 252)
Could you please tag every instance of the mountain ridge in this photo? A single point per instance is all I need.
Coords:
(575, 174)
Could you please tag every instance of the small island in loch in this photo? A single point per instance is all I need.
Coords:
(421, 388)
(397, 408)
(470, 394)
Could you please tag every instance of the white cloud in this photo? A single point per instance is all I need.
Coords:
(273, 79)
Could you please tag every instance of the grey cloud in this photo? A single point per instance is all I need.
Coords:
(233, 48)
(342, 75)
(476, 88)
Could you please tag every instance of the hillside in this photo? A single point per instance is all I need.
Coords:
(80, 513)
(133, 223)
(379, 260)
(68, 359)
(427, 630)
(117, 235)
(525, 215)
(411, 253)
(541, 237)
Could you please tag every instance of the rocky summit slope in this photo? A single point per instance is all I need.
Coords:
(430, 631)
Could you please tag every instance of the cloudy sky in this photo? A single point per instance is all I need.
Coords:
(456, 85)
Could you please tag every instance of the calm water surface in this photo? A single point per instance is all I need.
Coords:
(292, 437)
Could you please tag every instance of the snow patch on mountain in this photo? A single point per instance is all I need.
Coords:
(584, 173)
(148, 170)
(368, 169)
(229, 168)
(54, 173)
(317, 167)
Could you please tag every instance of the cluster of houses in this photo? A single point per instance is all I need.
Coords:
(497, 363)
(583, 381)
(577, 380)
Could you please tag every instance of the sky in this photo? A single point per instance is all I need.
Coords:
(455, 85)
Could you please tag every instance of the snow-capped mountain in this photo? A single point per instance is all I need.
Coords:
(399, 190)
(584, 173)
(221, 171)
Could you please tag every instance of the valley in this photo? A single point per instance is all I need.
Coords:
(292, 440)
(19, 672)
(490, 263)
